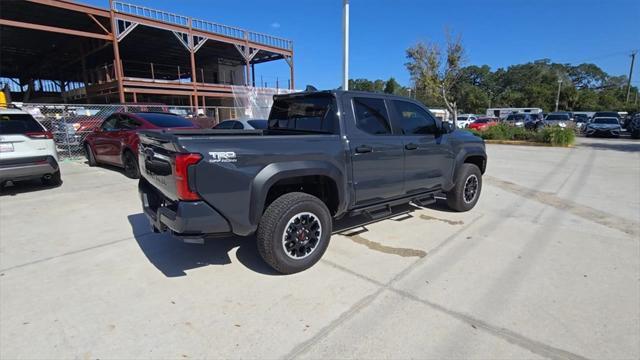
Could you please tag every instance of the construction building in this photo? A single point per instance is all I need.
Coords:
(64, 51)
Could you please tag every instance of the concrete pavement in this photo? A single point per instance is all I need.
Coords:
(546, 266)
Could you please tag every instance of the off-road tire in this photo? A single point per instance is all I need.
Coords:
(55, 180)
(131, 168)
(91, 158)
(274, 223)
(456, 196)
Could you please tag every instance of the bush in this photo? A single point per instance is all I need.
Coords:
(555, 136)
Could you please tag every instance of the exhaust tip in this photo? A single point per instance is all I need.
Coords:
(47, 177)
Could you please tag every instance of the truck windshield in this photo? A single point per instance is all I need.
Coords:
(304, 113)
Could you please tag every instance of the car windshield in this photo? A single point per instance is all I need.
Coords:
(557, 117)
(462, 118)
(258, 124)
(612, 121)
(515, 117)
(606, 114)
(314, 113)
(18, 124)
(165, 120)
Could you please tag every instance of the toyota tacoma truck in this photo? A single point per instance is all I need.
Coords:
(325, 155)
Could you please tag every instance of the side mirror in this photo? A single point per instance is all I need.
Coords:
(446, 127)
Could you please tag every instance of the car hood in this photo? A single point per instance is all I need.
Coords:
(604, 126)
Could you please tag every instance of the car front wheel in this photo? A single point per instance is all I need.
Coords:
(91, 159)
(131, 168)
(466, 191)
(294, 232)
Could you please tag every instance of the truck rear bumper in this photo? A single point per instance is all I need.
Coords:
(27, 168)
(189, 220)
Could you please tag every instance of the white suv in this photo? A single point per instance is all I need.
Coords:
(27, 149)
(465, 120)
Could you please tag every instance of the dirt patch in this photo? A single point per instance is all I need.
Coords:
(376, 246)
(450, 222)
(583, 211)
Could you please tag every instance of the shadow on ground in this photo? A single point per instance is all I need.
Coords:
(619, 144)
(173, 257)
(25, 186)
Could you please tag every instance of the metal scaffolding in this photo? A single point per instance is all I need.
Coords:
(127, 53)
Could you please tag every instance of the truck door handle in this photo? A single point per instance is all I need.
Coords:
(411, 146)
(364, 149)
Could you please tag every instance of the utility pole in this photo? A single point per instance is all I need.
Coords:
(558, 96)
(633, 59)
(345, 43)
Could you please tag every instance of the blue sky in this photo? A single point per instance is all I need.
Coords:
(495, 32)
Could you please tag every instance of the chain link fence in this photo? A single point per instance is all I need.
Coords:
(70, 123)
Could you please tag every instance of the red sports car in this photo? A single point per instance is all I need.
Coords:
(116, 141)
(483, 123)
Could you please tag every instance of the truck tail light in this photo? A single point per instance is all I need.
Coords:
(182, 163)
(40, 135)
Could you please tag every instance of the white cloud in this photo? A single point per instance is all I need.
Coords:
(275, 25)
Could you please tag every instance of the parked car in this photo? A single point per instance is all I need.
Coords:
(634, 127)
(483, 123)
(72, 131)
(519, 120)
(534, 122)
(560, 119)
(116, 141)
(239, 124)
(580, 120)
(606, 114)
(603, 126)
(27, 150)
(325, 155)
(464, 120)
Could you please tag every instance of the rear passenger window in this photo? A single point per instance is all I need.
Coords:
(18, 124)
(238, 125)
(110, 123)
(371, 115)
(413, 119)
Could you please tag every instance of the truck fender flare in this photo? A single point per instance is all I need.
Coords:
(466, 153)
(275, 172)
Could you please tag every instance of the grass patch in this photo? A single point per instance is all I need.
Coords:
(554, 135)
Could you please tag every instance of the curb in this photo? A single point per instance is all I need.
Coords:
(522, 142)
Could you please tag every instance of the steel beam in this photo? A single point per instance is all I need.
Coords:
(99, 24)
(73, 6)
(195, 32)
(54, 29)
(116, 54)
(192, 58)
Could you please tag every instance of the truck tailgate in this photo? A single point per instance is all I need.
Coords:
(158, 153)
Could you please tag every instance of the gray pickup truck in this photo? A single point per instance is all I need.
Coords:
(325, 155)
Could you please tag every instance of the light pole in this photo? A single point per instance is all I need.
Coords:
(558, 96)
(345, 44)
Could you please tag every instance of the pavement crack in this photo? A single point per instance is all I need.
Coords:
(304, 346)
(73, 252)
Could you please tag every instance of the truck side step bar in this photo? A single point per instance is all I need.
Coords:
(381, 210)
(424, 200)
(378, 213)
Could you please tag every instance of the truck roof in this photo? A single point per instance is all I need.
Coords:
(340, 92)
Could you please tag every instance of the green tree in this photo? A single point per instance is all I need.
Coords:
(436, 73)
(392, 86)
